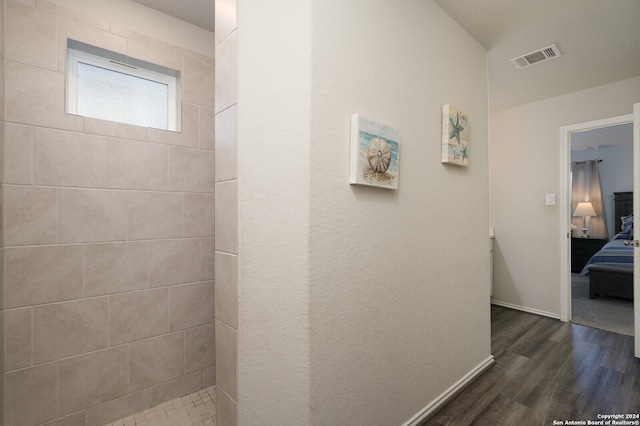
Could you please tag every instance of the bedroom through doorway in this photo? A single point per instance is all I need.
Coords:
(601, 206)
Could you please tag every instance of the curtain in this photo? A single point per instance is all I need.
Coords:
(585, 187)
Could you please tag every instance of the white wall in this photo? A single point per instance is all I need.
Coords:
(526, 164)
(358, 305)
(274, 115)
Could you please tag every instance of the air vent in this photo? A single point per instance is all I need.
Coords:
(536, 56)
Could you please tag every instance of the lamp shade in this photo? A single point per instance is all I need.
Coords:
(585, 209)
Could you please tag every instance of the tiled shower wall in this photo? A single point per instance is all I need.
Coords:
(226, 258)
(1, 187)
(108, 233)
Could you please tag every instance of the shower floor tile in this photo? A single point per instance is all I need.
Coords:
(196, 409)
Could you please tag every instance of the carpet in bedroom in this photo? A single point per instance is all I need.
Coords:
(606, 313)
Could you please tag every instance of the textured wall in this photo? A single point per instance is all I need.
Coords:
(526, 153)
(274, 65)
(400, 279)
(358, 305)
(109, 233)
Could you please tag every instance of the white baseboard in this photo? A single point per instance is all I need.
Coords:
(447, 395)
(525, 309)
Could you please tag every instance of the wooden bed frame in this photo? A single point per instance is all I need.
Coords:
(614, 280)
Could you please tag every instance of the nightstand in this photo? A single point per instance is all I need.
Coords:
(582, 249)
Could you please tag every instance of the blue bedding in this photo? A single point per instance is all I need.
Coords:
(613, 253)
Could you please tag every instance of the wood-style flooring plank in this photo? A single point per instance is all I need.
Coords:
(547, 370)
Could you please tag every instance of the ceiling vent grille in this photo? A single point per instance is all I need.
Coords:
(537, 56)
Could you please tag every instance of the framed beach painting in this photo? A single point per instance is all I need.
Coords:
(374, 153)
(455, 136)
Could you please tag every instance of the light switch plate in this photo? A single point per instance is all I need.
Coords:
(550, 199)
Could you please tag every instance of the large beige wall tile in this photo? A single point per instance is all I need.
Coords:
(2, 349)
(198, 215)
(226, 359)
(139, 401)
(156, 360)
(137, 165)
(2, 109)
(181, 386)
(133, 35)
(31, 395)
(225, 19)
(18, 338)
(107, 412)
(88, 215)
(227, 410)
(69, 328)
(191, 305)
(200, 348)
(154, 53)
(201, 57)
(30, 215)
(138, 315)
(226, 145)
(30, 36)
(2, 274)
(226, 216)
(174, 262)
(18, 154)
(112, 128)
(76, 419)
(188, 134)
(227, 288)
(67, 12)
(70, 159)
(36, 96)
(207, 131)
(45, 274)
(2, 10)
(2, 372)
(207, 254)
(198, 82)
(115, 267)
(191, 170)
(90, 379)
(226, 73)
(208, 376)
(89, 34)
(153, 215)
(2, 148)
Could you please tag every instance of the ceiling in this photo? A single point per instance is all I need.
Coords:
(599, 41)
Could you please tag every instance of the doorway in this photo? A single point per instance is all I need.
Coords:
(607, 153)
(567, 133)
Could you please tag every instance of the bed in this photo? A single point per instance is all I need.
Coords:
(610, 270)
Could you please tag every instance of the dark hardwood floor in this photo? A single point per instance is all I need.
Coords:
(547, 370)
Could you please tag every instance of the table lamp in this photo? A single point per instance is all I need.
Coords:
(584, 210)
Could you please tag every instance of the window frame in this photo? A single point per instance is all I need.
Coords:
(78, 52)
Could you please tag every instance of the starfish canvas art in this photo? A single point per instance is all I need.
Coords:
(455, 136)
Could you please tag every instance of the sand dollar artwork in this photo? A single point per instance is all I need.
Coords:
(374, 153)
(379, 154)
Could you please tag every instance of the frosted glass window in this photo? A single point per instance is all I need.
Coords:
(116, 96)
(109, 86)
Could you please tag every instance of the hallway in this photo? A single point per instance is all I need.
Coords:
(548, 370)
